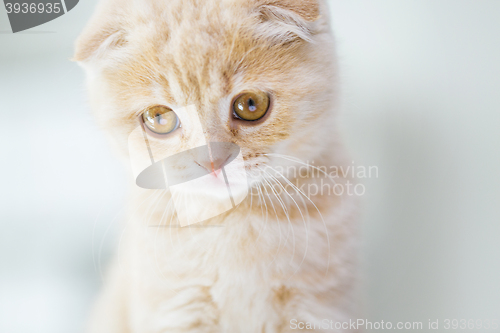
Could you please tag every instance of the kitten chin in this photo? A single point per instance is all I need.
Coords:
(168, 81)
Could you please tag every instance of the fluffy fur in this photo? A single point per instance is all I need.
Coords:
(275, 258)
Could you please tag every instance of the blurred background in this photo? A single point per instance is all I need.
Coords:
(421, 97)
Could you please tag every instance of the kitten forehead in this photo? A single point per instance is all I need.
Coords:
(200, 60)
(279, 21)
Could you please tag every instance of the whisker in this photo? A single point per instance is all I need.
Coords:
(277, 220)
(251, 206)
(319, 212)
(305, 228)
(297, 160)
(283, 205)
(267, 214)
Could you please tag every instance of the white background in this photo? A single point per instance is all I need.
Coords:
(421, 83)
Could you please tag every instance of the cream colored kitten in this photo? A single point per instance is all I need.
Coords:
(260, 75)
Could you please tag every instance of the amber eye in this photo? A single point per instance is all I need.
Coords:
(160, 120)
(251, 106)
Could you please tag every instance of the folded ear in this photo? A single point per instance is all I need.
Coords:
(306, 9)
(288, 19)
(103, 33)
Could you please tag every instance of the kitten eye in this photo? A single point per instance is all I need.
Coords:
(160, 120)
(251, 106)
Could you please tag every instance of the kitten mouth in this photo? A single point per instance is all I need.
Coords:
(215, 167)
(214, 173)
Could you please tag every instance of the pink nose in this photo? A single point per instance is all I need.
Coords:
(212, 165)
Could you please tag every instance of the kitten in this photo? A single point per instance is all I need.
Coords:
(260, 75)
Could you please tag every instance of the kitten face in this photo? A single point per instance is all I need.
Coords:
(212, 55)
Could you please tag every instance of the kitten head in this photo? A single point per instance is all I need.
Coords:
(259, 73)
